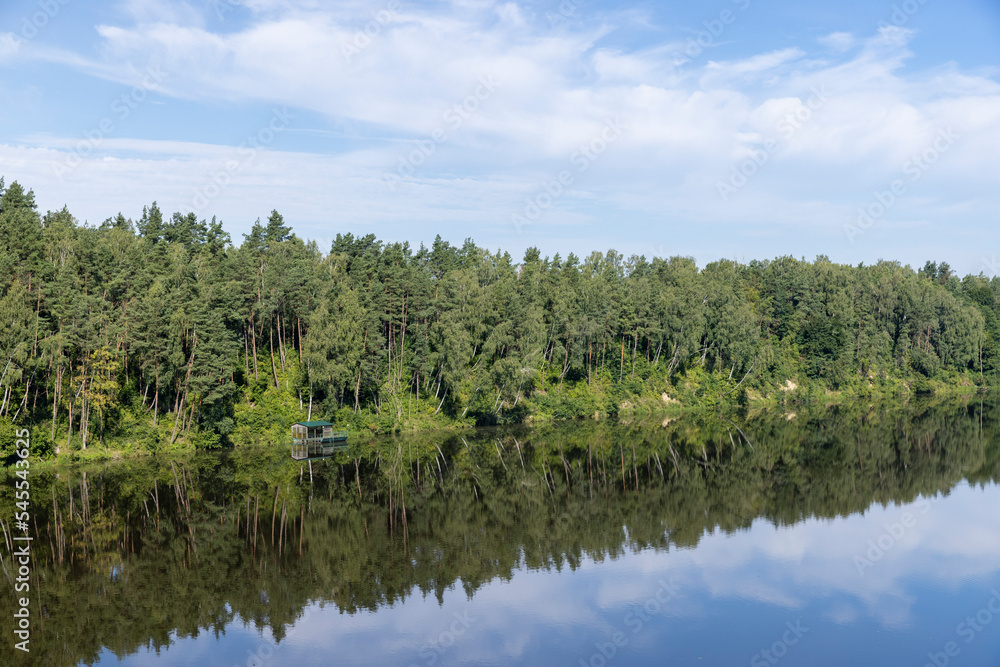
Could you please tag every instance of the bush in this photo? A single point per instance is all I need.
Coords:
(923, 362)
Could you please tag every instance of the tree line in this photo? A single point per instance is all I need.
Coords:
(165, 323)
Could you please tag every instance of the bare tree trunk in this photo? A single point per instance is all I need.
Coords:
(69, 435)
(635, 346)
(281, 342)
(357, 388)
(177, 417)
(298, 326)
(253, 336)
(55, 401)
(246, 355)
(274, 368)
(187, 379)
(357, 392)
(84, 422)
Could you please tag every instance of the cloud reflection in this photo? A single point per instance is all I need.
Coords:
(802, 570)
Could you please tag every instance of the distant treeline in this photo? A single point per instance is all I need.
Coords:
(163, 326)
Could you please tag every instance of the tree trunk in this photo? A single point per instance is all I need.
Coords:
(357, 392)
(253, 337)
(274, 368)
(84, 423)
(621, 366)
(590, 360)
(187, 381)
(635, 346)
(298, 325)
(402, 342)
(281, 342)
(246, 354)
(177, 418)
(357, 387)
(55, 401)
(69, 435)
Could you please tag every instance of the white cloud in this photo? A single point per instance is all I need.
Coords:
(756, 64)
(687, 128)
(838, 41)
(806, 571)
(10, 44)
(511, 14)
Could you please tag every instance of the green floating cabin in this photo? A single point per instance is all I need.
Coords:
(316, 438)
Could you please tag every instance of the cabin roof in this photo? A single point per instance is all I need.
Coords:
(313, 424)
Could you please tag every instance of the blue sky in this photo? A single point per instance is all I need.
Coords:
(738, 128)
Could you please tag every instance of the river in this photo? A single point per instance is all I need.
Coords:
(846, 535)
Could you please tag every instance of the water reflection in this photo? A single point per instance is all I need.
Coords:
(866, 536)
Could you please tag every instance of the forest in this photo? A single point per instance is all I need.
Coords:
(162, 333)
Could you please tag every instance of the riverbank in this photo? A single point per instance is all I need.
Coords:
(262, 416)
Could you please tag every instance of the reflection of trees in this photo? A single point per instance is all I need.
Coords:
(132, 555)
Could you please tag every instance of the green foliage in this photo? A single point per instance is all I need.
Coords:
(8, 438)
(264, 415)
(161, 334)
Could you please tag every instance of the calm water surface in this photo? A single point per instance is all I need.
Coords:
(848, 536)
